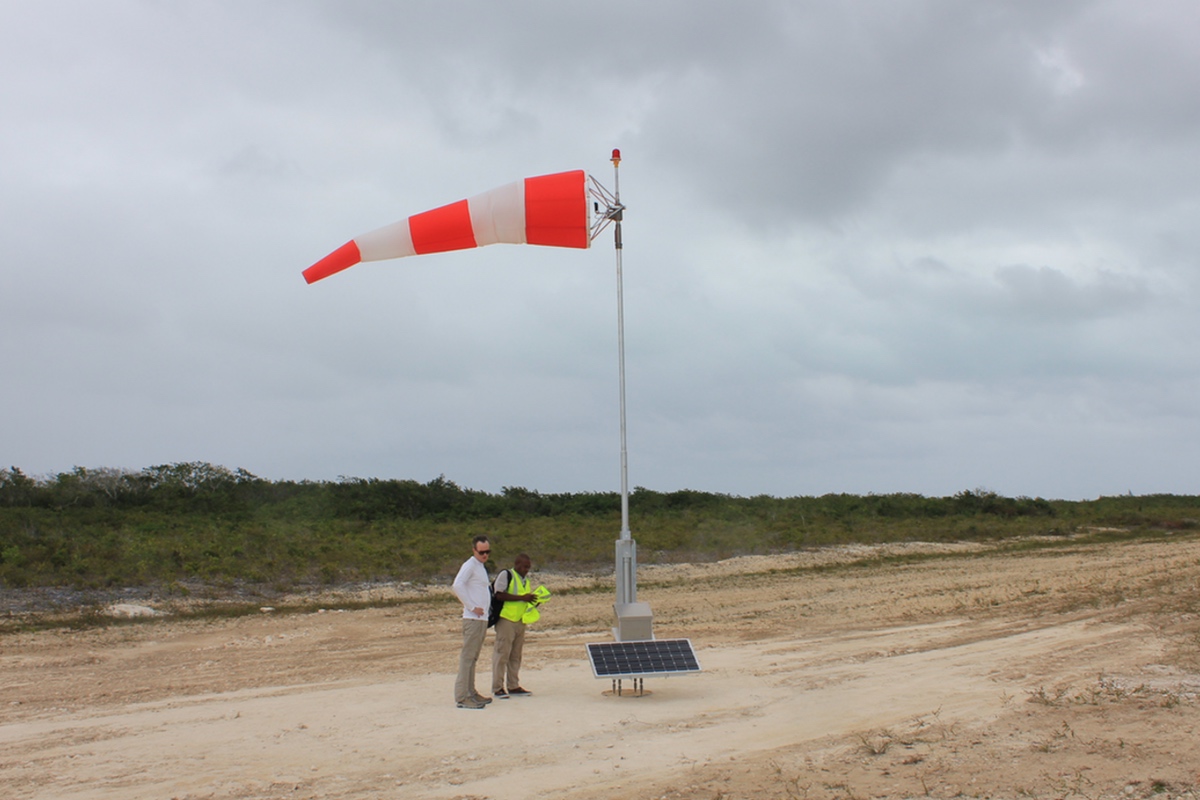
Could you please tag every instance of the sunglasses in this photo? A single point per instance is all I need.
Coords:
(483, 552)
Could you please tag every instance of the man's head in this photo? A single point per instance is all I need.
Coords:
(481, 548)
(522, 565)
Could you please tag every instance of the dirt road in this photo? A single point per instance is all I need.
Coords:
(849, 673)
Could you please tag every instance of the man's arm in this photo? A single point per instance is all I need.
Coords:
(524, 598)
(506, 596)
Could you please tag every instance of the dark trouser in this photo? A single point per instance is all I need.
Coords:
(474, 631)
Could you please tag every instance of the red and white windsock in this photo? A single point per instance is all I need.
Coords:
(548, 210)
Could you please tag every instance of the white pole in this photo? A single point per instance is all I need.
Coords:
(625, 534)
(626, 548)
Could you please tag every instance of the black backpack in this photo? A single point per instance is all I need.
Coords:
(495, 605)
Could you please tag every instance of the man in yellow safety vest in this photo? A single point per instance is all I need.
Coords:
(511, 586)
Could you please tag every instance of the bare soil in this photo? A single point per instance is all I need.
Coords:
(892, 671)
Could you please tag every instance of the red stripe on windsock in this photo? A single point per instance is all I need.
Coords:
(445, 228)
(344, 257)
(556, 210)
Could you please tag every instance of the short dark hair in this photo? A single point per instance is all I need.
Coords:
(480, 539)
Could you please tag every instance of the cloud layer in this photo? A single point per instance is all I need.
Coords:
(919, 246)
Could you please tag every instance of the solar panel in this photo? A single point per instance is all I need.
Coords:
(637, 659)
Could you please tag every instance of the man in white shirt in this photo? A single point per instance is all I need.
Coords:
(471, 587)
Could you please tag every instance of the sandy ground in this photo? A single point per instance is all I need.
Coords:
(1063, 673)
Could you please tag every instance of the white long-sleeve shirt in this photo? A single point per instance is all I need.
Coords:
(471, 587)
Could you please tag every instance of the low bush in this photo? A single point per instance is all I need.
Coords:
(173, 525)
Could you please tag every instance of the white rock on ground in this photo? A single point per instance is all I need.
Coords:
(130, 611)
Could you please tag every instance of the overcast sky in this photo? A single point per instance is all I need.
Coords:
(903, 246)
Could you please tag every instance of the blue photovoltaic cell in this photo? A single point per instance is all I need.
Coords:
(635, 659)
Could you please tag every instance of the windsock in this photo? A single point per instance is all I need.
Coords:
(548, 210)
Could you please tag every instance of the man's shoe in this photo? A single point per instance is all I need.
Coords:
(519, 692)
(481, 699)
(503, 695)
(472, 704)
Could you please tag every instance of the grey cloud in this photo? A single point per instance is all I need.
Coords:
(917, 246)
(1048, 295)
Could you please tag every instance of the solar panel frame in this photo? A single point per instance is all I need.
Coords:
(662, 657)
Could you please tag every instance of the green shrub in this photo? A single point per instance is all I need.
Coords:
(174, 524)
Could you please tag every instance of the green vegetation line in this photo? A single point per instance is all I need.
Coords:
(188, 527)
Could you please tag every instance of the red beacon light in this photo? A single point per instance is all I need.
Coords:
(616, 157)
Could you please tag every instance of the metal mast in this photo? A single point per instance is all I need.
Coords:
(633, 618)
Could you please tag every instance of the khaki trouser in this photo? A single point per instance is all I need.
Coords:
(506, 660)
(474, 631)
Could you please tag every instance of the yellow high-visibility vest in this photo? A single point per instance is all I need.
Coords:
(513, 610)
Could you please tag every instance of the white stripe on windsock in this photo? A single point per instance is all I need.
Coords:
(498, 216)
(390, 241)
